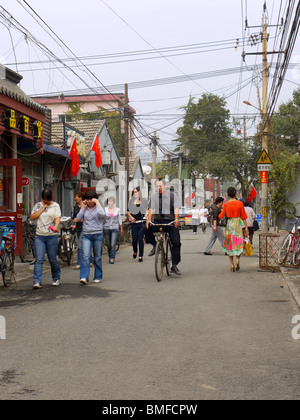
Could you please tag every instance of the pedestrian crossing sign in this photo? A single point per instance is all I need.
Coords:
(264, 159)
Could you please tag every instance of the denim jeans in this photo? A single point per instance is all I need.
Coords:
(111, 236)
(47, 244)
(88, 243)
(79, 249)
(138, 231)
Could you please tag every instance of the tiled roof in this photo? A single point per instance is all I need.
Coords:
(12, 90)
(58, 135)
(89, 128)
(133, 164)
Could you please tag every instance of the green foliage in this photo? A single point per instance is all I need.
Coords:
(208, 143)
(286, 122)
(283, 177)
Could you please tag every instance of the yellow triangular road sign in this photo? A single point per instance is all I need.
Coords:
(264, 158)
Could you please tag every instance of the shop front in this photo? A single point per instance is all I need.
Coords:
(21, 145)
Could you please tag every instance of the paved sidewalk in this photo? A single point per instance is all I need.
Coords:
(292, 279)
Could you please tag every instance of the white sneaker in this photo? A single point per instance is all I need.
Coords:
(83, 281)
(97, 281)
(55, 283)
(37, 285)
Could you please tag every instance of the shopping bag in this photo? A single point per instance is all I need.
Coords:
(248, 250)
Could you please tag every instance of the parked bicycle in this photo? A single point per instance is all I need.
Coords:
(7, 259)
(290, 248)
(28, 254)
(66, 245)
(162, 251)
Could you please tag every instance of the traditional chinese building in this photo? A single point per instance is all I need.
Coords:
(21, 147)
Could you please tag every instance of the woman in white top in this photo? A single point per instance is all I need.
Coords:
(203, 218)
(195, 218)
(251, 217)
(112, 227)
(47, 213)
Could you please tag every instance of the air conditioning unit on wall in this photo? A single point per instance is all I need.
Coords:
(113, 167)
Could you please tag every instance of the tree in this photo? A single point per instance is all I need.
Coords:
(286, 123)
(206, 137)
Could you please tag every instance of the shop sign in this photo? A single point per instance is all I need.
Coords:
(10, 119)
(38, 130)
(24, 124)
(25, 181)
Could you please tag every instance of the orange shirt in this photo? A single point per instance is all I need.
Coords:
(234, 208)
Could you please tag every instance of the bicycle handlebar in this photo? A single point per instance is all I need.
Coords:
(162, 224)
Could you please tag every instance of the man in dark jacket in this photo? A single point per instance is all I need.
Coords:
(218, 232)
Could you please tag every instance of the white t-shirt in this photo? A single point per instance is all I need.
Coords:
(203, 215)
(46, 219)
(195, 213)
(251, 216)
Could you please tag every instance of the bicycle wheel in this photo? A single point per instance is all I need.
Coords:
(28, 254)
(61, 251)
(284, 250)
(7, 267)
(159, 261)
(168, 256)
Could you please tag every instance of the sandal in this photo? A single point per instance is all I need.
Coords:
(232, 269)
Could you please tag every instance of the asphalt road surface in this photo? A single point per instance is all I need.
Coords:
(208, 334)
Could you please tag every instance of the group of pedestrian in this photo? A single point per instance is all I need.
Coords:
(93, 221)
(199, 218)
(239, 217)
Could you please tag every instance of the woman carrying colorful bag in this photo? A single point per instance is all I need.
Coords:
(234, 239)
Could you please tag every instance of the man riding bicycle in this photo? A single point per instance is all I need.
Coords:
(163, 208)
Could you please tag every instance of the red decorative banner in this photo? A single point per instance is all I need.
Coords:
(264, 177)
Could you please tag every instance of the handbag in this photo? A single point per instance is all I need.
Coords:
(255, 225)
(248, 250)
(223, 221)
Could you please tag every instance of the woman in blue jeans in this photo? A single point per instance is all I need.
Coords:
(112, 227)
(47, 214)
(93, 215)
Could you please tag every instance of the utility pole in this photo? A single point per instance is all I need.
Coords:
(265, 122)
(154, 156)
(180, 164)
(265, 128)
(126, 130)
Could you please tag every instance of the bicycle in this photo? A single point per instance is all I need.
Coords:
(162, 251)
(28, 254)
(7, 260)
(290, 244)
(66, 245)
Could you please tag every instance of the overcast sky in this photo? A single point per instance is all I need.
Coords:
(163, 29)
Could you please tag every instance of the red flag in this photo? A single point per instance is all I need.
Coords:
(97, 150)
(188, 200)
(252, 194)
(75, 158)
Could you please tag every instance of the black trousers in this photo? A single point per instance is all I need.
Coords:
(174, 238)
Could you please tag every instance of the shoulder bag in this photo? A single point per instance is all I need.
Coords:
(223, 221)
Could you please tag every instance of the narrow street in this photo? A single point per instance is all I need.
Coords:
(208, 334)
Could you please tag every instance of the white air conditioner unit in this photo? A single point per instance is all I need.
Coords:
(113, 167)
(105, 156)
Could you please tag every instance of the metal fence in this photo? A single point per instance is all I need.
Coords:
(269, 245)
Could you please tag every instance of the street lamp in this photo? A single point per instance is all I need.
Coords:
(249, 104)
